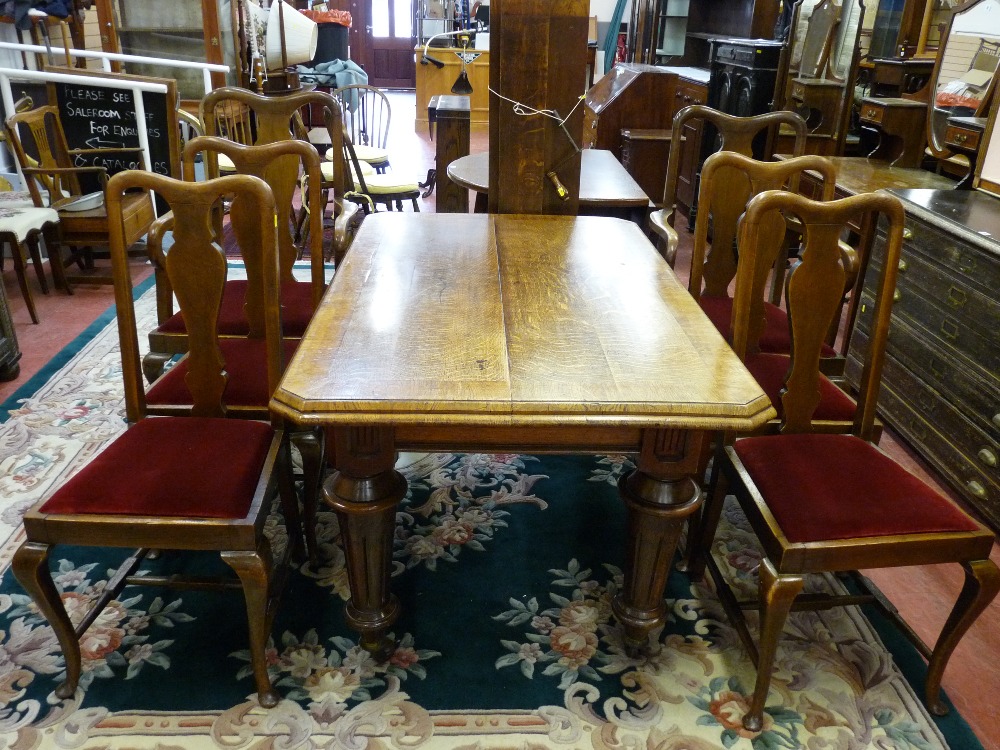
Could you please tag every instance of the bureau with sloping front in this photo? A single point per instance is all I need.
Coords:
(941, 383)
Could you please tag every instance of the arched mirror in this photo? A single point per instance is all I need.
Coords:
(845, 41)
(964, 76)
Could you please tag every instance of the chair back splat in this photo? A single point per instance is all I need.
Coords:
(832, 503)
(735, 134)
(175, 483)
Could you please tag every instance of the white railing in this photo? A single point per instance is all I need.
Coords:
(136, 87)
(108, 57)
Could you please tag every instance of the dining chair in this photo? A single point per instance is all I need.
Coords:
(373, 189)
(239, 319)
(822, 503)
(279, 165)
(366, 114)
(734, 134)
(176, 483)
(729, 181)
(55, 181)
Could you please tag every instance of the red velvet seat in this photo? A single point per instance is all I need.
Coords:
(824, 487)
(769, 371)
(775, 338)
(128, 479)
(246, 365)
(296, 310)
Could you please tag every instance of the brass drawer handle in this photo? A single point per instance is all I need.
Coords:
(938, 370)
(996, 419)
(896, 295)
(903, 265)
(918, 430)
(957, 297)
(949, 329)
(987, 456)
(976, 489)
(871, 114)
(961, 138)
(907, 233)
(967, 264)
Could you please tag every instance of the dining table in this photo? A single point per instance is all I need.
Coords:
(606, 187)
(512, 334)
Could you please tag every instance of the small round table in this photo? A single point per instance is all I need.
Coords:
(606, 188)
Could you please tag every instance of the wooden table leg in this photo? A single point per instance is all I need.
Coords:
(365, 491)
(659, 496)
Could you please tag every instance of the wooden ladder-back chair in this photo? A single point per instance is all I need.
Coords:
(734, 134)
(47, 163)
(822, 503)
(726, 188)
(269, 119)
(366, 113)
(176, 483)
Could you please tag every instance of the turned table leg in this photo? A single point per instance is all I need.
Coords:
(365, 491)
(659, 496)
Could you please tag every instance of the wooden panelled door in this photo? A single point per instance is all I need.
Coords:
(386, 37)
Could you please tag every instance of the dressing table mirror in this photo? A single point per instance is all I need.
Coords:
(823, 61)
(964, 77)
(951, 108)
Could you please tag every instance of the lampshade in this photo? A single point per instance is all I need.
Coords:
(462, 85)
(301, 36)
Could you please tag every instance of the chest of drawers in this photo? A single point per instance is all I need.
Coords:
(941, 384)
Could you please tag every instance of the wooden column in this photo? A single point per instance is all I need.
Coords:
(539, 59)
(453, 125)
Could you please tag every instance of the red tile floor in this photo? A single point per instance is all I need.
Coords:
(923, 595)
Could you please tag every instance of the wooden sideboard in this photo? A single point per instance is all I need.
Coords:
(941, 383)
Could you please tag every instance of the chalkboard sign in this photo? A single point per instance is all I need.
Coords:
(94, 116)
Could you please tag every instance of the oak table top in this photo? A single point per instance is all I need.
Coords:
(605, 185)
(520, 333)
(859, 174)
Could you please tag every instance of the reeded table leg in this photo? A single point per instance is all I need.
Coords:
(659, 496)
(365, 490)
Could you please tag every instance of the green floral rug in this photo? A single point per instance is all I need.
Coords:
(505, 566)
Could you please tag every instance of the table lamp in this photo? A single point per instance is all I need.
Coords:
(462, 85)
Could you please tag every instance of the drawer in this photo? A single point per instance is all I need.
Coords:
(689, 93)
(976, 393)
(918, 278)
(872, 113)
(944, 452)
(975, 267)
(962, 138)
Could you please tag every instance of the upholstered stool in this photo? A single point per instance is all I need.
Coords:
(20, 226)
